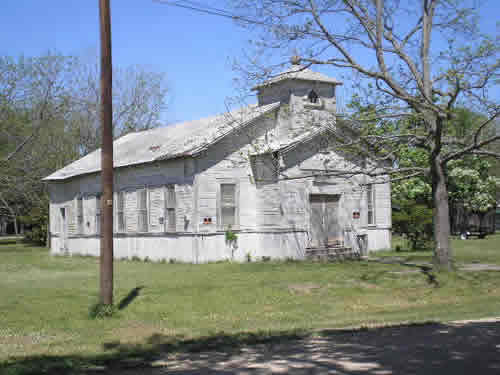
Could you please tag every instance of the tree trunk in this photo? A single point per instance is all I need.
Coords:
(442, 251)
(16, 231)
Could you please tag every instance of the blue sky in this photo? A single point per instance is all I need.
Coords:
(194, 50)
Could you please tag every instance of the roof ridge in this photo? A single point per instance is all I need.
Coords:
(302, 73)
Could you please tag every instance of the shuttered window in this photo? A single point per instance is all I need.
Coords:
(71, 218)
(370, 203)
(98, 214)
(228, 205)
(142, 210)
(171, 206)
(120, 217)
(79, 215)
(265, 167)
(156, 209)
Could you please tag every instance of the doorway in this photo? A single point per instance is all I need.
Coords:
(325, 227)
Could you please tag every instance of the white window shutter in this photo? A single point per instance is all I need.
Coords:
(157, 209)
(171, 205)
(130, 211)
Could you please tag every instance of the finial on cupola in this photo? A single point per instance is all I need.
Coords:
(295, 60)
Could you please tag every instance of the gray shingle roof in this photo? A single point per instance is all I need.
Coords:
(183, 139)
(299, 72)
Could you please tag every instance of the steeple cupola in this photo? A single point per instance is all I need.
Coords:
(299, 87)
(307, 99)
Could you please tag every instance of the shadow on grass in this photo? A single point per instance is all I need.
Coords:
(407, 349)
(118, 356)
(133, 294)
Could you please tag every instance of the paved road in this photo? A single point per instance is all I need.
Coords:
(455, 348)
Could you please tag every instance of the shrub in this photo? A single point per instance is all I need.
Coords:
(36, 223)
(100, 311)
(231, 237)
(414, 221)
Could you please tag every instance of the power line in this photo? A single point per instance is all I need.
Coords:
(203, 8)
(199, 7)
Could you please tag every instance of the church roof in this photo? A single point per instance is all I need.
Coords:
(298, 72)
(168, 142)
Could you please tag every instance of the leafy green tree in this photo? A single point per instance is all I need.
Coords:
(414, 221)
(49, 116)
(421, 59)
(471, 186)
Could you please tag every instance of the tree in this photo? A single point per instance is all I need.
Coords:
(139, 100)
(411, 61)
(469, 182)
(471, 186)
(49, 112)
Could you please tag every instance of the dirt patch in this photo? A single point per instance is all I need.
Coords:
(12, 343)
(304, 288)
(479, 267)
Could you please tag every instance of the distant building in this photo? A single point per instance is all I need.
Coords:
(260, 172)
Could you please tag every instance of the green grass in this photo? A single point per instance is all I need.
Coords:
(486, 250)
(45, 301)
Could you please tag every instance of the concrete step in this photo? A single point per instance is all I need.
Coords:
(331, 253)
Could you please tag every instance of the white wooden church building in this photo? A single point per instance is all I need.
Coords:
(258, 172)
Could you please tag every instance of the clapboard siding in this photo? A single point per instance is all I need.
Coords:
(268, 206)
(273, 215)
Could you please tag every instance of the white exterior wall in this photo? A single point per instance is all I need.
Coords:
(296, 113)
(273, 219)
(193, 248)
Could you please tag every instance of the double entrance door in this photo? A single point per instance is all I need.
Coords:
(325, 227)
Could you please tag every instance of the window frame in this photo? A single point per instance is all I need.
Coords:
(170, 208)
(236, 225)
(162, 189)
(120, 211)
(142, 210)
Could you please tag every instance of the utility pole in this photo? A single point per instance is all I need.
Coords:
(106, 256)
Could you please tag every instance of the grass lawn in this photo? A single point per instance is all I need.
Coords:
(44, 302)
(486, 250)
